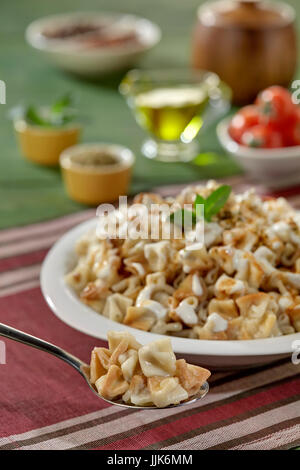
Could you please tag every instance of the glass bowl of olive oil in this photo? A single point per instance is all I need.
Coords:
(172, 106)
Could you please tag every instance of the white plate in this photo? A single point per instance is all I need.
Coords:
(279, 167)
(96, 61)
(215, 354)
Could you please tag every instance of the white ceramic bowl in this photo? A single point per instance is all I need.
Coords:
(273, 167)
(94, 61)
(214, 354)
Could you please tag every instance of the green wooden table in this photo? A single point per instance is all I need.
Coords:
(30, 193)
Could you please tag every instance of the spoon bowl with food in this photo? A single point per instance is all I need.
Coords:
(128, 374)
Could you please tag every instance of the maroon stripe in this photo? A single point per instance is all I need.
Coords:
(184, 414)
(74, 428)
(286, 192)
(24, 260)
(220, 424)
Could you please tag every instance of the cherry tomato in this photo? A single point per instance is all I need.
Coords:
(275, 105)
(262, 136)
(244, 119)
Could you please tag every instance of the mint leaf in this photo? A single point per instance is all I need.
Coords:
(215, 201)
(56, 115)
(64, 102)
(212, 205)
(33, 115)
(199, 200)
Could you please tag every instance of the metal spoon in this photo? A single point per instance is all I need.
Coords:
(81, 367)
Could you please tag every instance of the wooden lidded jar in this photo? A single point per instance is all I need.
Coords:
(250, 44)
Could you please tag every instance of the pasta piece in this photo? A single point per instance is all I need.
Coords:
(96, 367)
(240, 238)
(253, 305)
(212, 234)
(138, 392)
(97, 305)
(162, 327)
(140, 317)
(104, 357)
(192, 285)
(259, 319)
(166, 391)
(136, 266)
(116, 307)
(224, 257)
(106, 263)
(191, 377)
(128, 362)
(226, 308)
(227, 286)
(112, 385)
(157, 358)
(116, 337)
(79, 277)
(186, 311)
(215, 328)
(157, 254)
(128, 287)
(155, 283)
(284, 324)
(96, 290)
(195, 260)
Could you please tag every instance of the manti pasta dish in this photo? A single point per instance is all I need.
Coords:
(143, 375)
(243, 283)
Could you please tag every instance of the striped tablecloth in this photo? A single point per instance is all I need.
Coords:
(44, 404)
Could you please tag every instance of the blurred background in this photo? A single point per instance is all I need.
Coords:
(28, 192)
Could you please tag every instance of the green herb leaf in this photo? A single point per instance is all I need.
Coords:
(215, 201)
(56, 115)
(64, 102)
(199, 200)
(33, 115)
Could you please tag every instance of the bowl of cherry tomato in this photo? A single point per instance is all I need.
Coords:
(264, 137)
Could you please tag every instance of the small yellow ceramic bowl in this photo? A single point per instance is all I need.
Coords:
(44, 145)
(95, 173)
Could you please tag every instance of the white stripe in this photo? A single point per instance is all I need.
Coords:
(23, 286)
(17, 275)
(58, 426)
(44, 227)
(239, 429)
(28, 246)
(143, 417)
(277, 439)
(105, 430)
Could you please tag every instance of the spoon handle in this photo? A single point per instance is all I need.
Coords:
(25, 338)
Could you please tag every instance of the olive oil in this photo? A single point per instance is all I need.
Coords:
(172, 113)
